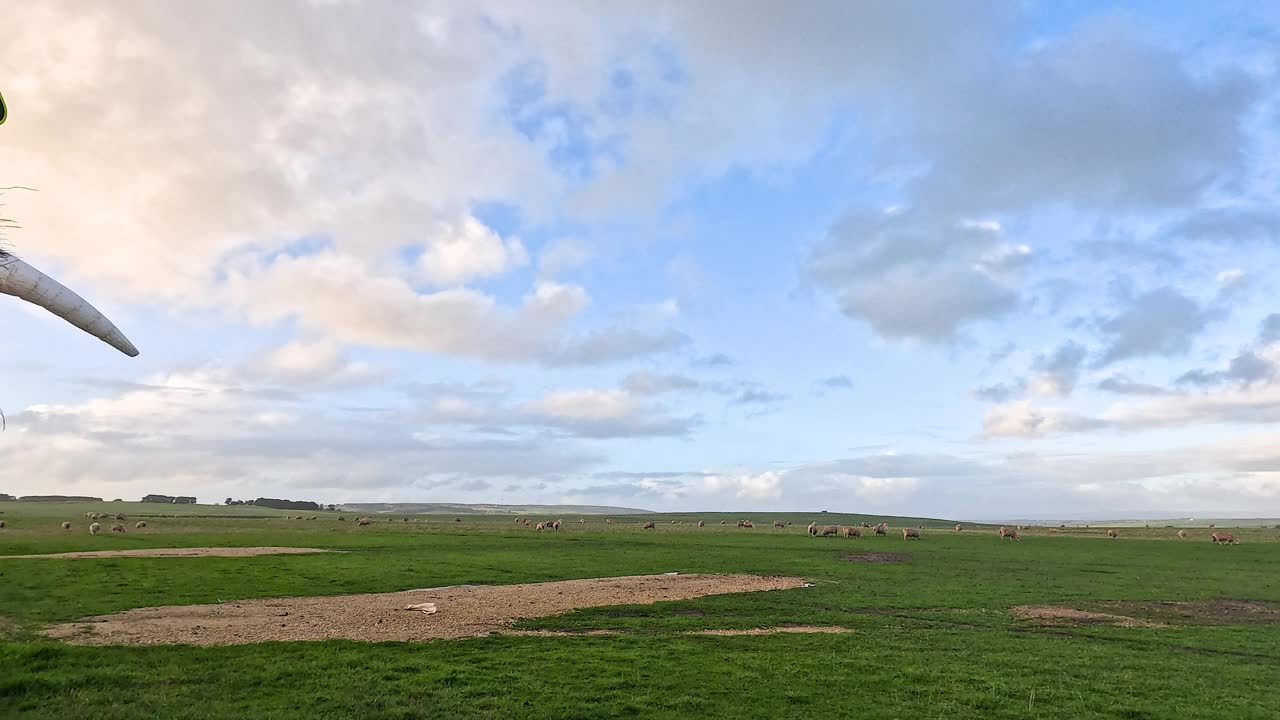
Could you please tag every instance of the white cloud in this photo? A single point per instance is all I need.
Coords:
(563, 254)
(458, 252)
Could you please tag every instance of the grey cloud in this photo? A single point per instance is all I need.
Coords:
(614, 344)
(712, 361)
(1061, 369)
(753, 396)
(1269, 331)
(1158, 322)
(837, 382)
(646, 383)
(911, 276)
(1246, 368)
(1123, 385)
(1000, 392)
(1226, 225)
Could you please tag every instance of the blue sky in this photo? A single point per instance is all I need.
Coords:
(971, 260)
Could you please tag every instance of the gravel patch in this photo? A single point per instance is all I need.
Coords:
(465, 611)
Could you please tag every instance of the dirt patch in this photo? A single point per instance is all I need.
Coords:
(1062, 615)
(463, 611)
(175, 552)
(788, 629)
(1200, 613)
(875, 557)
(1153, 614)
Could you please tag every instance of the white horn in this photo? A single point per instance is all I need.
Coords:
(20, 280)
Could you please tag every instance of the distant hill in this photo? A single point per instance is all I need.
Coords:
(484, 509)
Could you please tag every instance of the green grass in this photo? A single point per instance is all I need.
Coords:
(932, 636)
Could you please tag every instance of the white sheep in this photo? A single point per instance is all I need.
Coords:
(66, 525)
(95, 528)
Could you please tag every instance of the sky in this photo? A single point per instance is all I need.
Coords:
(976, 260)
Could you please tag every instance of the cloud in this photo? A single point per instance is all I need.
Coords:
(1123, 385)
(1060, 370)
(563, 254)
(1000, 392)
(1269, 332)
(837, 382)
(336, 295)
(1158, 322)
(647, 383)
(313, 363)
(1225, 226)
(1023, 419)
(756, 396)
(1246, 369)
(910, 276)
(716, 360)
(458, 252)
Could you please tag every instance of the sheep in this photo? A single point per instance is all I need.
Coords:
(910, 533)
(556, 526)
(364, 521)
(830, 531)
(1112, 534)
(608, 521)
(882, 529)
(648, 526)
(117, 527)
(582, 521)
(777, 524)
(66, 526)
(866, 526)
(812, 529)
(140, 524)
(457, 519)
(120, 516)
(1009, 534)
(541, 526)
(88, 516)
(95, 528)
(673, 522)
(852, 532)
(724, 522)
(3, 525)
(401, 519)
(1224, 538)
(740, 523)
(517, 521)
(701, 524)
(748, 524)
(959, 527)
(1182, 534)
(341, 519)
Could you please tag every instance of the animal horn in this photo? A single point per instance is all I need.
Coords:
(20, 280)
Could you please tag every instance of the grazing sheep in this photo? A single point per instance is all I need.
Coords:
(866, 526)
(748, 524)
(852, 532)
(541, 526)
(341, 519)
(117, 527)
(457, 519)
(401, 519)
(140, 524)
(1182, 534)
(556, 526)
(958, 527)
(724, 522)
(518, 521)
(882, 529)
(648, 526)
(94, 529)
(830, 531)
(364, 521)
(66, 526)
(777, 524)
(1112, 534)
(701, 524)
(1224, 538)
(2, 524)
(910, 533)
(812, 529)
(120, 516)
(608, 521)
(582, 521)
(673, 522)
(1009, 534)
(528, 522)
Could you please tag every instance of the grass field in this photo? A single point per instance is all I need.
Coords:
(931, 636)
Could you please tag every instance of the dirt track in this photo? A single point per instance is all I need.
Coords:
(174, 552)
(462, 611)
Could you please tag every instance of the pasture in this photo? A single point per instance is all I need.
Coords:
(1150, 626)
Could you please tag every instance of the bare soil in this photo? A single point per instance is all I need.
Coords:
(462, 611)
(875, 557)
(175, 552)
(722, 632)
(1153, 614)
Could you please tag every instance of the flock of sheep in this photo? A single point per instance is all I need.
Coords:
(813, 529)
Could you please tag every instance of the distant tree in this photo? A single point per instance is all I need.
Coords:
(228, 501)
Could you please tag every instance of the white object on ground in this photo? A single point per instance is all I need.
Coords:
(427, 608)
(20, 280)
